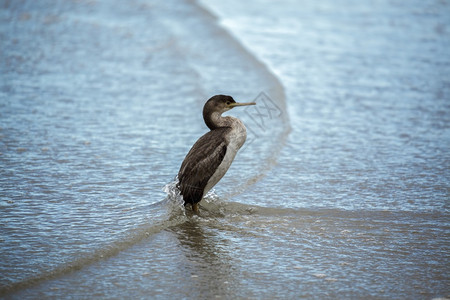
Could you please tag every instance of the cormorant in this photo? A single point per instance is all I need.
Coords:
(212, 154)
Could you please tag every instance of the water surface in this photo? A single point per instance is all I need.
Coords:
(342, 189)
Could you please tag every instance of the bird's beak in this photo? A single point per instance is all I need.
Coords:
(241, 104)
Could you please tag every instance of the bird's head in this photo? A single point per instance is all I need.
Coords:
(222, 103)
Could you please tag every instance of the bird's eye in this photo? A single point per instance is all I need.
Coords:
(228, 102)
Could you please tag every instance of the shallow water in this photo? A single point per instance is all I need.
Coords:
(342, 189)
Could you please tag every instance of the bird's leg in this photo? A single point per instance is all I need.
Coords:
(195, 207)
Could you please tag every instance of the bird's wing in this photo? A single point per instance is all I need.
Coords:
(200, 164)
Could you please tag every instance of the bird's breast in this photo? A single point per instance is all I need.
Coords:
(237, 135)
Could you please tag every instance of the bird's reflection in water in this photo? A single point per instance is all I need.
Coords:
(208, 266)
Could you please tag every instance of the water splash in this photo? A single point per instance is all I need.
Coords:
(174, 202)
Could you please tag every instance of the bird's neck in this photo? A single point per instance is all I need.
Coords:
(215, 120)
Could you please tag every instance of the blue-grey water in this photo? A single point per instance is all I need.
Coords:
(341, 190)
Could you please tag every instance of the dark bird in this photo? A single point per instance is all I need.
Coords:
(212, 154)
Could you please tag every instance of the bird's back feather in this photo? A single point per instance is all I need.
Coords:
(201, 162)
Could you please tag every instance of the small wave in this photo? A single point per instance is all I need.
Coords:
(161, 215)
